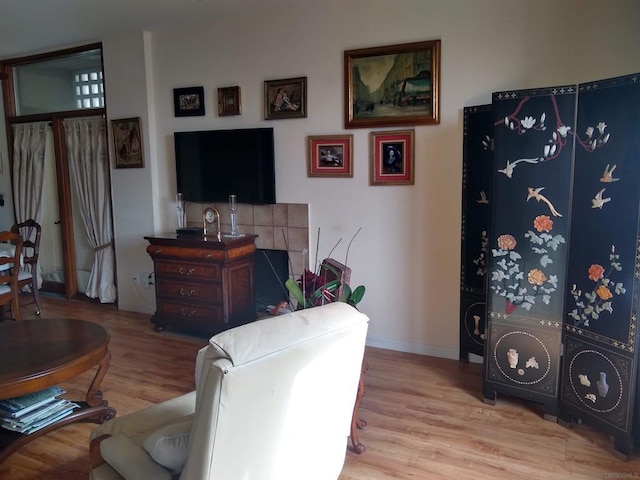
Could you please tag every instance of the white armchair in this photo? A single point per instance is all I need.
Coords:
(273, 401)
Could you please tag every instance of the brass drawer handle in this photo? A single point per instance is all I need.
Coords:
(208, 255)
(182, 271)
(157, 251)
(187, 313)
(190, 293)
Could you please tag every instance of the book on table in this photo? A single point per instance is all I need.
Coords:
(29, 413)
(16, 406)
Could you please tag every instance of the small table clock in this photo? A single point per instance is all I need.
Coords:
(209, 216)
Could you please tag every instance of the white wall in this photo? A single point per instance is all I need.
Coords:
(132, 188)
(408, 252)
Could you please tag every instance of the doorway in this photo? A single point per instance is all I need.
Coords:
(51, 259)
(61, 90)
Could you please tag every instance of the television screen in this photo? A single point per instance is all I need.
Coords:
(213, 164)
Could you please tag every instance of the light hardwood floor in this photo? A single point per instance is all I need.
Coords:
(426, 418)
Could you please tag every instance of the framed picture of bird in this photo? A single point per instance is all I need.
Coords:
(330, 156)
(392, 158)
(127, 143)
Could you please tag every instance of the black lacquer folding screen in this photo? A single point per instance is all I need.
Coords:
(600, 356)
(563, 256)
(528, 245)
(476, 210)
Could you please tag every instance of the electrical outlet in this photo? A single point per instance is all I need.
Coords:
(144, 279)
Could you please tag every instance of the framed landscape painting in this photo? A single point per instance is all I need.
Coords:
(393, 85)
(392, 158)
(330, 156)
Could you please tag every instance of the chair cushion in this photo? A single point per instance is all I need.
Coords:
(22, 275)
(169, 445)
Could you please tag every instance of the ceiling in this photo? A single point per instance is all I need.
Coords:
(35, 26)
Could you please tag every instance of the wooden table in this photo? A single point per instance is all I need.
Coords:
(35, 354)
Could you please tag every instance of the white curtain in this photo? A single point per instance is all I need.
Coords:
(89, 172)
(29, 140)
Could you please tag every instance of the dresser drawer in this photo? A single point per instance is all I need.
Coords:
(203, 315)
(208, 292)
(208, 271)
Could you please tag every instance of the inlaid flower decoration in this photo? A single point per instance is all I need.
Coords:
(590, 305)
(511, 278)
(481, 261)
(559, 138)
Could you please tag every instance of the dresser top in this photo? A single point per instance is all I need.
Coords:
(209, 241)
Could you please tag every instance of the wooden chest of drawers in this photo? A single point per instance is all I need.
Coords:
(203, 286)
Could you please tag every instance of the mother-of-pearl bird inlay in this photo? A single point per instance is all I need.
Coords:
(598, 201)
(607, 175)
(535, 193)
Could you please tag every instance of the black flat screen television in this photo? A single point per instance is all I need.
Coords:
(213, 164)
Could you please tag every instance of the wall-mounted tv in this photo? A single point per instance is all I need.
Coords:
(213, 164)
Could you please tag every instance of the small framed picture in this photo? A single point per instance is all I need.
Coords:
(391, 158)
(127, 143)
(188, 102)
(229, 101)
(330, 156)
(285, 98)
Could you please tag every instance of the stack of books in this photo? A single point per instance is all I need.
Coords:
(34, 411)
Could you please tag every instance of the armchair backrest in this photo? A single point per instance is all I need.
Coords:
(274, 398)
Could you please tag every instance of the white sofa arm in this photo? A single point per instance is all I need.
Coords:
(130, 460)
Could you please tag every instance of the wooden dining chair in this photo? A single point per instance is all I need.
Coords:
(10, 255)
(28, 276)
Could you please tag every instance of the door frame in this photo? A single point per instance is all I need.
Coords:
(70, 287)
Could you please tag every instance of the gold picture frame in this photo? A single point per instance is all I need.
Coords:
(285, 98)
(127, 143)
(392, 158)
(229, 101)
(392, 85)
(330, 156)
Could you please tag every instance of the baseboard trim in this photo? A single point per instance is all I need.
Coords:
(410, 347)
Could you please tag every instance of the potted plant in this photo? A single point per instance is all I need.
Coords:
(326, 285)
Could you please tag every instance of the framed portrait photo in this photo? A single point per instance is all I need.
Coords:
(188, 102)
(392, 158)
(286, 98)
(392, 85)
(330, 156)
(127, 143)
(229, 101)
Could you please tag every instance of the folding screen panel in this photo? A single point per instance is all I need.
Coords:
(563, 253)
(600, 355)
(476, 209)
(527, 257)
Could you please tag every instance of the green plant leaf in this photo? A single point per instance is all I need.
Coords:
(357, 295)
(295, 290)
(346, 293)
(331, 286)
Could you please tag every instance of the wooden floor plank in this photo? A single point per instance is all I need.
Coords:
(426, 418)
